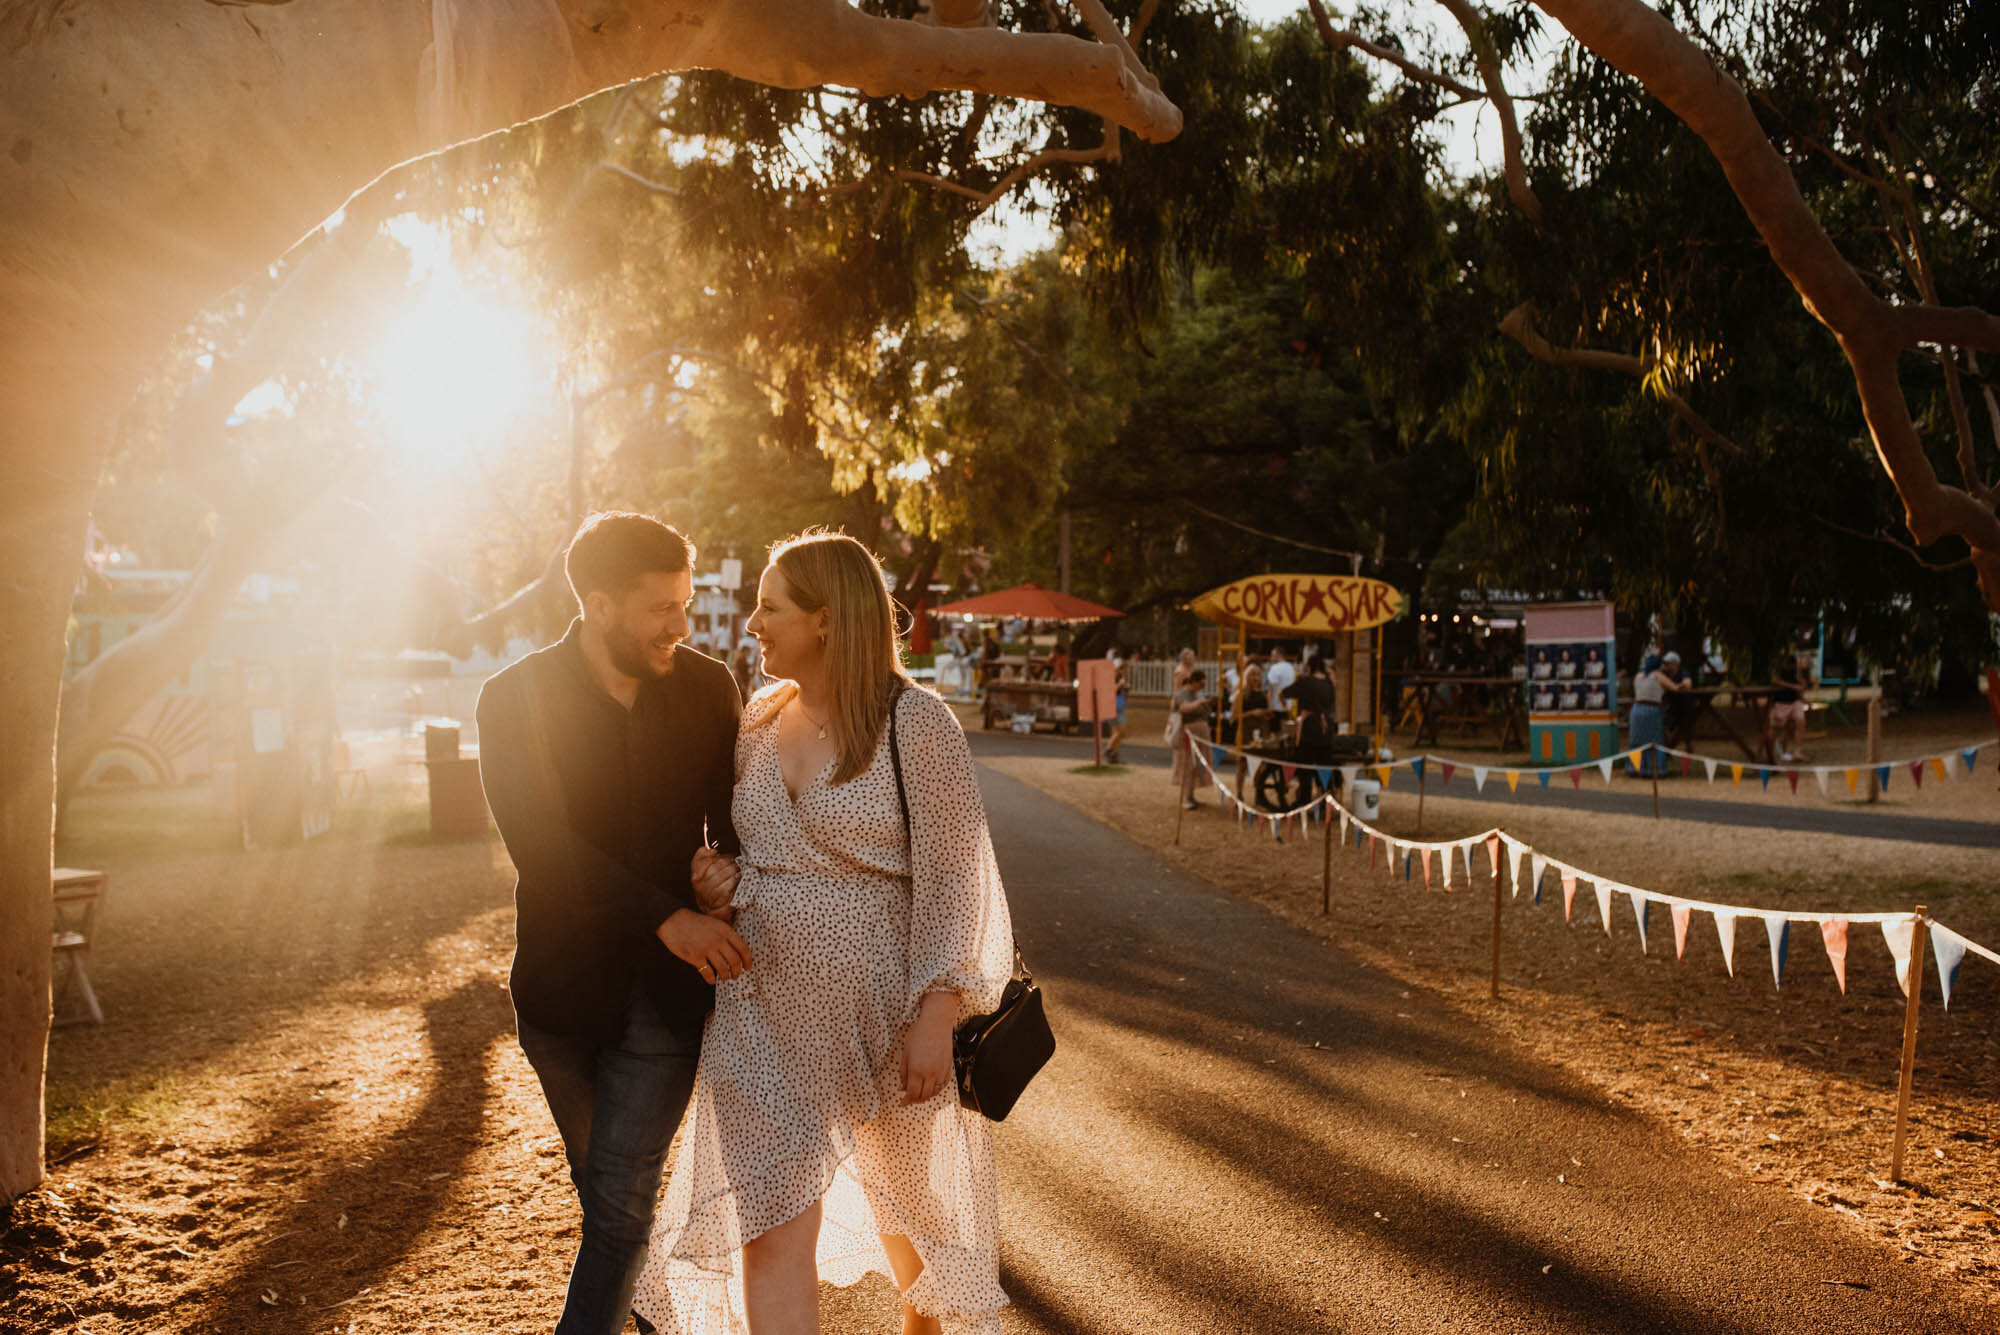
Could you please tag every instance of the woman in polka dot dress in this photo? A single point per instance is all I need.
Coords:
(826, 1138)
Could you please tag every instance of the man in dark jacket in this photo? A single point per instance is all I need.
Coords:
(607, 760)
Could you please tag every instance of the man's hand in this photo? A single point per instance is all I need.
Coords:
(709, 944)
(927, 1048)
(715, 876)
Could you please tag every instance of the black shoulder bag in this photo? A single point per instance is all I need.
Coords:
(994, 1056)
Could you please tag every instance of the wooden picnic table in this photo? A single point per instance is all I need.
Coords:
(78, 893)
(1468, 702)
(1752, 705)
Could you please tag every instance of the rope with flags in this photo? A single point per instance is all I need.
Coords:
(1411, 856)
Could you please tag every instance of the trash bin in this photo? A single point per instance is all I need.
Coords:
(1365, 799)
(458, 802)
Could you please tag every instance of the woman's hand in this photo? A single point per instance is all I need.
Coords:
(927, 1048)
(715, 876)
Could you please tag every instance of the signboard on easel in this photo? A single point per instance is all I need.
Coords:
(1572, 683)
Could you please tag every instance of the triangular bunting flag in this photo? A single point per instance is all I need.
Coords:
(1348, 774)
(1417, 767)
(1344, 824)
(1681, 913)
(1897, 932)
(1445, 770)
(1446, 853)
(1479, 778)
(1736, 775)
(1569, 892)
(1779, 929)
(1882, 777)
(1537, 866)
(1216, 754)
(1792, 777)
(1938, 768)
(1969, 755)
(1853, 777)
(1325, 773)
(1424, 856)
(1604, 768)
(1917, 772)
(1515, 851)
(1834, 933)
(1408, 870)
(1725, 931)
(1373, 844)
(1290, 772)
(1382, 772)
(1545, 776)
(1948, 948)
(1708, 763)
(1514, 780)
(1604, 906)
(1764, 777)
(1819, 773)
(1492, 856)
(1687, 766)
(1641, 907)
(1251, 765)
(1576, 778)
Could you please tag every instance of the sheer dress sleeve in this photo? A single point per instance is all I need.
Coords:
(961, 935)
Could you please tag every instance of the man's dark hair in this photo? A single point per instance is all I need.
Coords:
(1316, 666)
(614, 549)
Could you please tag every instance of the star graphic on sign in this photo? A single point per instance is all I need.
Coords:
(1314, 596)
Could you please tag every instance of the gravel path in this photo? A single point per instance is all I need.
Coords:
(1244, 1130)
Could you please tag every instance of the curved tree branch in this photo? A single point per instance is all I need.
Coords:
(1340, 39)
(1487, 57)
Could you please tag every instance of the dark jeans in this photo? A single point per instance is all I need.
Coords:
(617, 1108)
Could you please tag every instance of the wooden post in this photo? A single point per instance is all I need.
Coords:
(1874, 743)
(1653, 754)
(1326, 860)
(1180, 797)
(1493, 993)
(1375, 728)
(1919, 939)
(1423, 778)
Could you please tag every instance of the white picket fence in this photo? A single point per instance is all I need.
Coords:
(1155, 677)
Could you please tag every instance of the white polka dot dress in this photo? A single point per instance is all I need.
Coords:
(799, 1092)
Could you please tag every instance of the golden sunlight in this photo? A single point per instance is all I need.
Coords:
(459, 367)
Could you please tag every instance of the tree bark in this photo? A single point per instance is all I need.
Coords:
(1872, 333)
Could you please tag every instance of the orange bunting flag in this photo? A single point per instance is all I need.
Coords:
(1383, 772)
(1853, 776)
(1835, 935)
(1424, 856)
(1938, 768)
(1681, 915)
(1736, 775)
(1569, 892)
(1492, 856)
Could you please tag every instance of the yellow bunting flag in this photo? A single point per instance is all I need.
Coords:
(1853, 775)
(1513, 780)
(1383, 772)
(1937, 767)
(1736, 775)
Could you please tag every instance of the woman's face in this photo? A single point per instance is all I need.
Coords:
(793, 640)
(1253, 677)
(1187, 657)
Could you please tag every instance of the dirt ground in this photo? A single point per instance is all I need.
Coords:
(306, 1112)
(1794, 1085)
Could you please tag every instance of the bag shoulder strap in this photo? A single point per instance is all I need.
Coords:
(903, 800)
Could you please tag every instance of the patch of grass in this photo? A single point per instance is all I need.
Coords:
(1099, 771)
(78, 1112)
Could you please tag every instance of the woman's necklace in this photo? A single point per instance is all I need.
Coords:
(816, 722)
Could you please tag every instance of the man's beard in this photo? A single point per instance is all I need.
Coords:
(627, 653)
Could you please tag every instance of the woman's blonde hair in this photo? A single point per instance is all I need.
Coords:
(864, 653)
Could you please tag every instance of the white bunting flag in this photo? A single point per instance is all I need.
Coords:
(1537, 866)
(1709, 764)
(1254, 763)
(1479, 778)
(1949, 949)
(1343, 827)
(1779, 929)
(1641, 906)
(1516, 850)
(1604, 906)
(1725, 931)
(1604, 768)
(1819, 772)
(1681, 914)
(1897, 932)
(1445, 856)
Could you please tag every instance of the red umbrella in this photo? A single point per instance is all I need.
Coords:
(1031, 603)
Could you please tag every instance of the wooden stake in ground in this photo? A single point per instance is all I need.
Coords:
(1657, 761)
(1493, 993)
(1326, 861)
(1874, 744)
(1919, 935)
(1423, 775)
(1180, 793)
